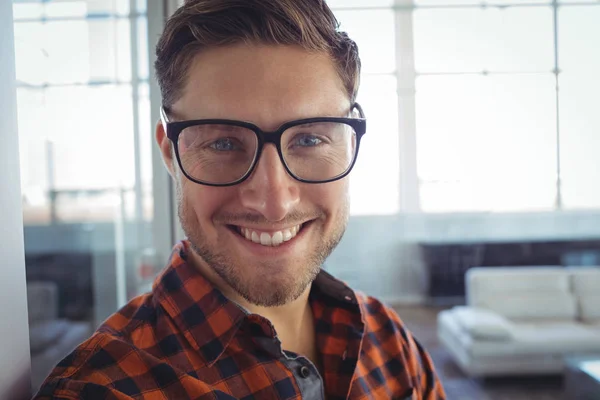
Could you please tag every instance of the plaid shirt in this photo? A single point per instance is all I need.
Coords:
(185, 340)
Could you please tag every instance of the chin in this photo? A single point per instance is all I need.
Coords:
(269, 285)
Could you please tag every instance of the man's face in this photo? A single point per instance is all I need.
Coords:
(267, 86)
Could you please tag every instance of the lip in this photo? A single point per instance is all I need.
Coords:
(269, 251)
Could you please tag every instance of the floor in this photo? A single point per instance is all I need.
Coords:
(422, 323)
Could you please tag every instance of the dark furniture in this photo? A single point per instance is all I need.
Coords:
(447, 263)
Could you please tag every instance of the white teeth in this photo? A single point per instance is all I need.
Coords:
(287, 235)
(277, 238)
(266, 239)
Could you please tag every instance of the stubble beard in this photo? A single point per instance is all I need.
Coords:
(261, 284)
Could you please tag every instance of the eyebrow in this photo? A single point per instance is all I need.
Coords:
(310, 124)
(222, 127)
(174, 118)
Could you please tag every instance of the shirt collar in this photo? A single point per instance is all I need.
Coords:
(207, 318)
(326, 284)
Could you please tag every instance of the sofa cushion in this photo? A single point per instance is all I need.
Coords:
(595, 324)
(545, 338)
(563, 337)
(589, 308)
(44, 334)
(522, 292)
(531, 306)
(483, 324)
(484, 281)
(585, 280)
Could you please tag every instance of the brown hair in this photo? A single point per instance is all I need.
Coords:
(203, 23)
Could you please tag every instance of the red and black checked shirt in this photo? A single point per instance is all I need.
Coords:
(185, 340)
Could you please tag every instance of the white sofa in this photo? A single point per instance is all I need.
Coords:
(523, 320)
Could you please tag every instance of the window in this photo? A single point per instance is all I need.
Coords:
(478, 105)
(75, 58)
(579, 60)
(86, 171)
(374, 182)
(486, 142)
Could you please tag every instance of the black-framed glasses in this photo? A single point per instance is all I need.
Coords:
(222, 152)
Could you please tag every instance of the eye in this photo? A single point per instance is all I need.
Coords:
(224, 144)
(308, 141)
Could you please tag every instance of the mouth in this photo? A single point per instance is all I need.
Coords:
(271, 238)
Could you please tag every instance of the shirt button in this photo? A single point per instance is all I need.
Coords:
(304, 372)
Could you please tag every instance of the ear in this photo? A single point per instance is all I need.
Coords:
(165, 146)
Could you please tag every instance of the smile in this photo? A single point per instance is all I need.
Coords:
(271, 239)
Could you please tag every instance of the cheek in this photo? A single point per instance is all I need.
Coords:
(332, 197)
(203, 201)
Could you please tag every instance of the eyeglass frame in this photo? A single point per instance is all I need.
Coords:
(173, 130)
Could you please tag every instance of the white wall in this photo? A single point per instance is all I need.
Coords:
(375, 258)
(379, 255)
(14, 329)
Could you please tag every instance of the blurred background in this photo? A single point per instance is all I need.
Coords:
(482, 151)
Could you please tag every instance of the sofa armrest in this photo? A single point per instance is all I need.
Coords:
(589, 308)
(481, 323)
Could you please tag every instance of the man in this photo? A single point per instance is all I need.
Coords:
(259, 129)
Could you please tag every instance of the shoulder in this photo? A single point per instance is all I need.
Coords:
(133, 317)
(108, 367)
(375, 310)
(385, 330)
(103, 356)
(78, 372)
(381, 320)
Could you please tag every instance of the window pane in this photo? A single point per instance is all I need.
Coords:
(111, 7)
(146, 138)
(578, 39)
(87, 203)
(94, 50)
(42, 53)
(142, 48)
(121, 47)
(66, 9)
(359, 3)
(374, 187)
(73, 8)
(373, 32)
(579, 99)
(476, 2)
(82, 141)
(477, 39)
(141, 6)
(486, 143)
(27, 10)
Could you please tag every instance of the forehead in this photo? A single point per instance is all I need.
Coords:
(262, 84)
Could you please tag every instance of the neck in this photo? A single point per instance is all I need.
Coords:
(290, 320)
(293, 321)
(294, 324)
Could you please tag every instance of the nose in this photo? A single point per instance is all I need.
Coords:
(270, 190)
